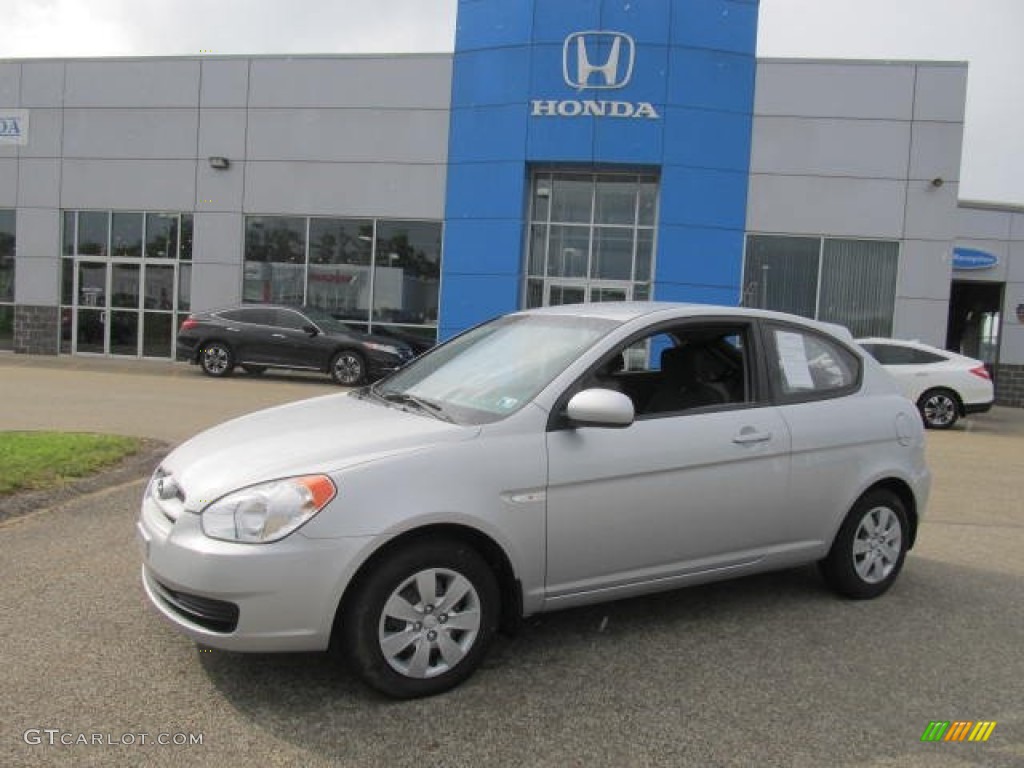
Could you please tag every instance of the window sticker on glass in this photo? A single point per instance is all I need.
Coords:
(793, 358)
(508, 403)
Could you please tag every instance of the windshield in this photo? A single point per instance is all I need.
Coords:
(495, 369)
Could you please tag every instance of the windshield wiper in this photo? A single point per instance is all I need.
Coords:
(402, 398)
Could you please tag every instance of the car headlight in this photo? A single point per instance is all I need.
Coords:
(269, 511)
(385, 348)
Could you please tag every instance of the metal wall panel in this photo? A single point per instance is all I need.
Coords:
(830, 147)
(935, 151)
(941, 92)
(346, 189)
(39, 183)
(137, 84)
(834, 89)
(407, 82)
(38, 236)
(225, 83)
(925, 270)
(42, 84)
(217, 239)
(131, 133)
(134, 185)
(817, 205)
(348, 135)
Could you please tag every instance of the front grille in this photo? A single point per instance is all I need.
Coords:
(215, 615)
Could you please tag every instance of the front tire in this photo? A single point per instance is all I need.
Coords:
(216, 359)
(868, 552)
(420, 621)
(940, 408)
(348, 368)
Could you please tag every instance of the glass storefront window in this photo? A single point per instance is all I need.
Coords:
(126, 234)
(616, 203)
(93, 232)
(366, 272)
(569, 251)
(850, 282)
(340, 251)
(185, 254)
(68, 234)
(572, 198)
(161, 235)
(185, 287)
(591, 237)
(781, 273)
(7, 247)
(8, 243)
(407, 272)
(275, 259)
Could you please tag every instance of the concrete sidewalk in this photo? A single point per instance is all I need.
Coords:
(161, 400)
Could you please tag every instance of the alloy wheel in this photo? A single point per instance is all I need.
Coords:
(877, 544)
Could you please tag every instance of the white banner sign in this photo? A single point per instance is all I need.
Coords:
(14, 126)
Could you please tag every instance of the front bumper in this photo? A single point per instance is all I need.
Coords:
(244, 597)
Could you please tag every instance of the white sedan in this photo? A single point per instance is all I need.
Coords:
(944, 385)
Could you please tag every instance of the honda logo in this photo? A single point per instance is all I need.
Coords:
(598, 59)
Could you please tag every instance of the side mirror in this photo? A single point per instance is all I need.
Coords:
(310, 330)
(600, 408)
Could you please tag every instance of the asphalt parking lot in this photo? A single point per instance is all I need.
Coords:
(767, 671)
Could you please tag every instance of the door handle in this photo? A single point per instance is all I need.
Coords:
(748, 436)
(277, 335)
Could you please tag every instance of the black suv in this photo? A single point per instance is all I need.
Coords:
(261, 336)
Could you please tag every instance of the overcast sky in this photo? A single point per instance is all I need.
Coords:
(987, 33)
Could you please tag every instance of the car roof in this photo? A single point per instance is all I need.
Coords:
(625, 311)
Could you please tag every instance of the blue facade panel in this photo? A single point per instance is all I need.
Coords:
(487, 134)
(482, 24)
(721, 25)
(495, 76)
(707, 139)
(472, 299)
(678, 101)
(699, 256)
(647, 22)
(711, 79)
(702, 197)
(483, 246)
(553, 20)
(486, 191)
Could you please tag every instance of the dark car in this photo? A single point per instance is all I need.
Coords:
(418, 343)
(261, 336)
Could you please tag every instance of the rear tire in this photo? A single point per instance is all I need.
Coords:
(940, 408)
(868, 552)
(348, 368)
(421, 619)
(216, 359)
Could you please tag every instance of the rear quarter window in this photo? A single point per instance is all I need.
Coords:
(806, 365)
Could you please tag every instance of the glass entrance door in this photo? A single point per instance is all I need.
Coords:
(124, 308)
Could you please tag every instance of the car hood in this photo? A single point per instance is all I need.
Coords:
(318, 435)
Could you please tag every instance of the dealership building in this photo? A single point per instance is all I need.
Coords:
(567, 151)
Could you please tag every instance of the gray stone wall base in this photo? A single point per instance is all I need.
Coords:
(1010, 385)
(36, 330)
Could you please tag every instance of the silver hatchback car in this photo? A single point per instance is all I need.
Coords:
(546, 459)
